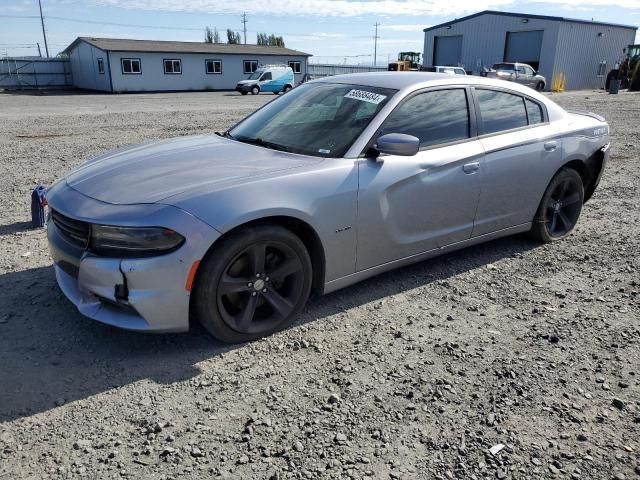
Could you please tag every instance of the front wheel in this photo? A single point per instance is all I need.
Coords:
(559, 208)
(255, 91)
(539, 86)
(253, 284)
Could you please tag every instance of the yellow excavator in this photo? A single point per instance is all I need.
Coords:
(407, 61)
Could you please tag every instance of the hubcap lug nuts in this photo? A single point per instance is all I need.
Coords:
(253, 294)
(264, 290)
(257, 275)
(266, 279)
(250, 284)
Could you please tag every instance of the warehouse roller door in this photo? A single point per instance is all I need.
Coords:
(447, 50)
(524, 47)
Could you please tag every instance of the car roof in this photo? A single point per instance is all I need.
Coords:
(416, 80)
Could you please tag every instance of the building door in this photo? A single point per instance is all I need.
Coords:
(524, 47)
(447, 50)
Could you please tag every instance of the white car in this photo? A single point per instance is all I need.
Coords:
(450, 70)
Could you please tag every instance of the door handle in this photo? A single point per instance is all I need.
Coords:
(550, 146)
(471, 167)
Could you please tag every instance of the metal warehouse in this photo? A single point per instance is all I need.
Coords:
(122, 65)
(582, 51)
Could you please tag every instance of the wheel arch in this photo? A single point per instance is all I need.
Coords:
(303, 230)
(589, 170)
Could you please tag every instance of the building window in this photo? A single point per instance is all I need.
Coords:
(296, 66)
(602, 69)
(213, 66)
(130, 66)
(100, 65)
(172, 66)
(250, 66)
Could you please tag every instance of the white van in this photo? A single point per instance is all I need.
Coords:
(268, 78)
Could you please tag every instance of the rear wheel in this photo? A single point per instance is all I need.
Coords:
(559, 208)
(287, 88)
(253, 284)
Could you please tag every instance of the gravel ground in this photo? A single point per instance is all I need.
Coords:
(506, 360)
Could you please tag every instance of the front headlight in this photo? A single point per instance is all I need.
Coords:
(133, 241)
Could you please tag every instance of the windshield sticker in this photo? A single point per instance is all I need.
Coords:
(365, 96)
(322, 150)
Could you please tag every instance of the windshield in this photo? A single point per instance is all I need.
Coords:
(255, 75)
(320, 119)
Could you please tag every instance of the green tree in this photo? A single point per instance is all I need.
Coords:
(271, 40)
(233, 37)
(211, 36)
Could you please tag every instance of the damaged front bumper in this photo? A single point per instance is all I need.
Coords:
(145, 294)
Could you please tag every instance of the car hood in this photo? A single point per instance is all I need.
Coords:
(152, 172)
(246, 82)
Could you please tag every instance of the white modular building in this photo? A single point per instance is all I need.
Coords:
(123, 65)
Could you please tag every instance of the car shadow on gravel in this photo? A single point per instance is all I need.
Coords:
(15, 228)
(50, 355)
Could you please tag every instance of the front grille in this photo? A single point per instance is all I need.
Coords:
(74, 231)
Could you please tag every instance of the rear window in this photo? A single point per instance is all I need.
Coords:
(534, 112)
(501, 111)
(504, 66)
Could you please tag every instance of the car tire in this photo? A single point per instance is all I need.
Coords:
(255, 91)
(540, 86)
(287, 88)
(244, 93)
(559, 208)
(254, 283)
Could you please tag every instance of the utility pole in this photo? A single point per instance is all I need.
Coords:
(375, 45)
(39, 52)
(244, 22)
(44, 34)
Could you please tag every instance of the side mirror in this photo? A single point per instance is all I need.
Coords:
(398, 144)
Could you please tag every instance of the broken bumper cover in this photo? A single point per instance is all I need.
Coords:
(144, 294)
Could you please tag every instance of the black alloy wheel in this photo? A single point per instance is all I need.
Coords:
(560, 207)
(260, 287)
(253, 284)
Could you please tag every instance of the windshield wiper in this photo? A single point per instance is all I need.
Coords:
(263, 143)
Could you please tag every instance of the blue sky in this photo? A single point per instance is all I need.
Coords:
(332, 30)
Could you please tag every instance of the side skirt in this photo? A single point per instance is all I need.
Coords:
(345, 281)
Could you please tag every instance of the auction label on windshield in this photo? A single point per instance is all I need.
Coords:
(365, 96)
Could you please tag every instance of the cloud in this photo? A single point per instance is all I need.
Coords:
(325, 8)
(407, 27)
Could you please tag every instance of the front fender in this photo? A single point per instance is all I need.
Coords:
(325, 198)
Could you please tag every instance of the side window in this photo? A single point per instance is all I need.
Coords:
(249, 66)
(520, 70)
(437, 117)
(266, 76)
(500, 111)
(213, 66)
(534, 112)
(172, 66)
(295, 66)
(130, 66)
(529, 71)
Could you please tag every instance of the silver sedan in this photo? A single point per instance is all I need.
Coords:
(338, 180)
